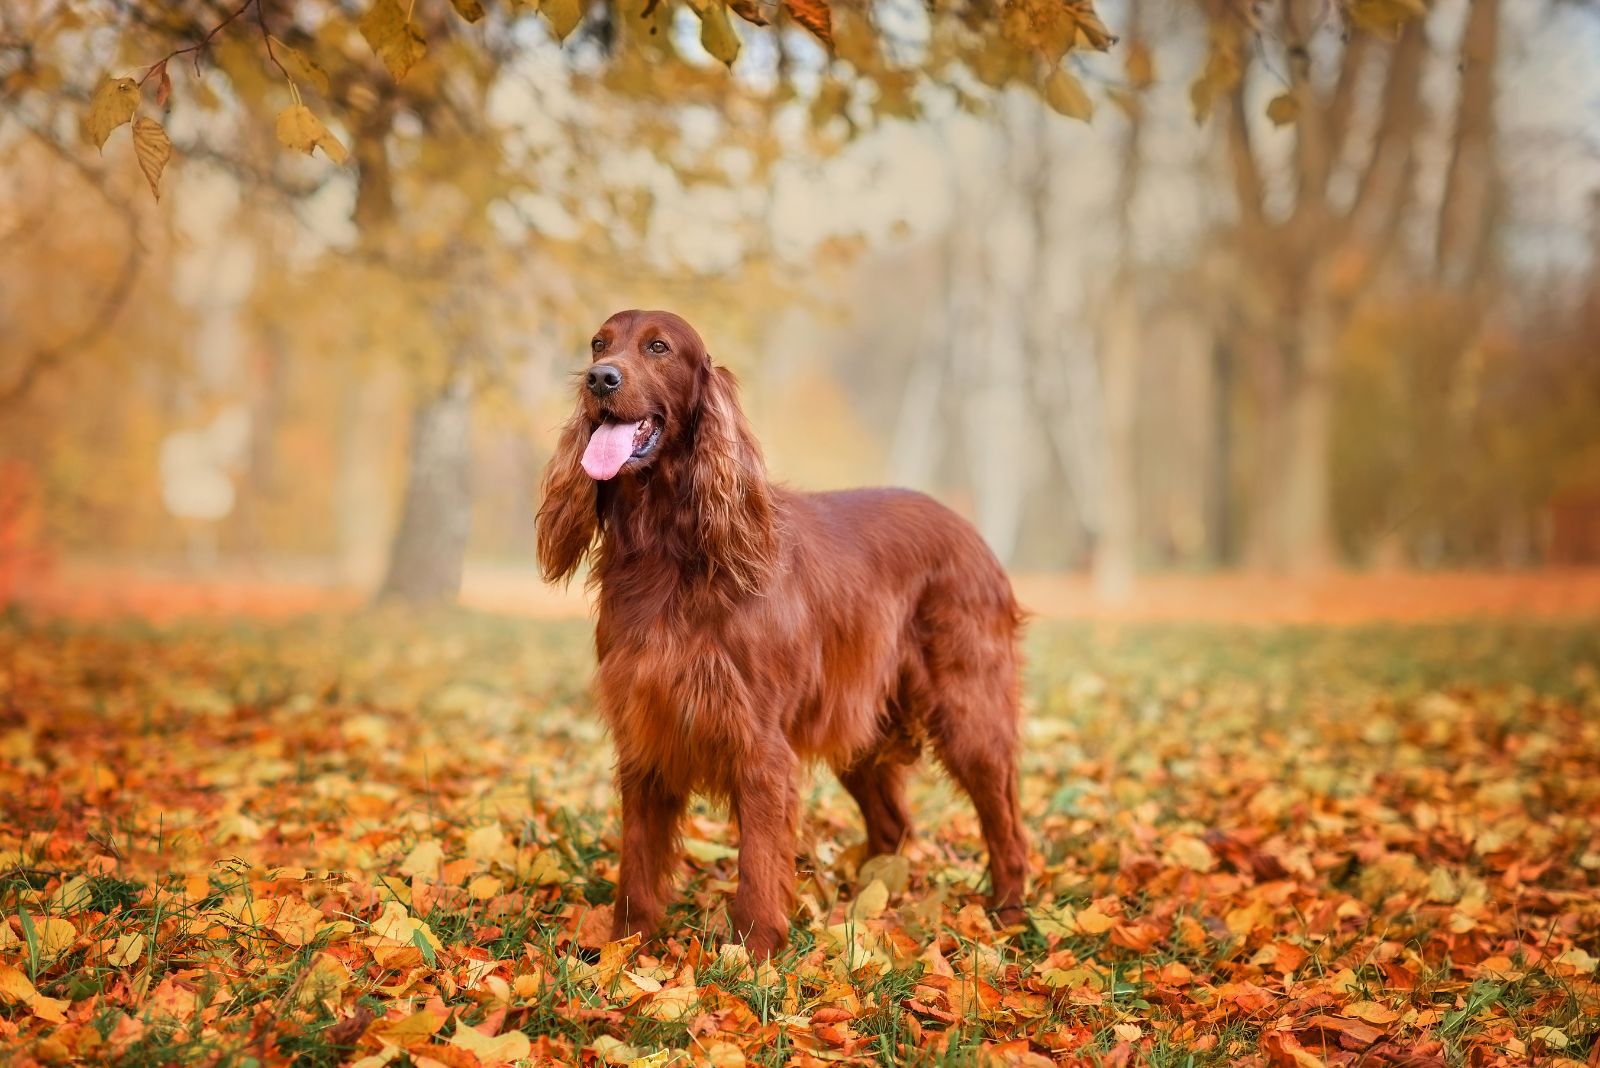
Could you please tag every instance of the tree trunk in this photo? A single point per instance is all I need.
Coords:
(1271, 398)
(360, 489)
(1119, 360)
(1307, 516)
(429, 546)
(1219, 488)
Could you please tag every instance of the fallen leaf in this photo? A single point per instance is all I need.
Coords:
(871, 902)
(501, 1049)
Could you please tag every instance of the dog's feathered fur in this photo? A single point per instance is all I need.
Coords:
(744, 628)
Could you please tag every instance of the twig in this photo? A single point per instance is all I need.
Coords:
(31, 873)
(198, 49)
(261, 20)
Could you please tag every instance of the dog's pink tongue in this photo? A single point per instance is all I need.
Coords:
(609, 448)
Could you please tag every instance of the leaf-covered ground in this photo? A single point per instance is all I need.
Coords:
(376, 841)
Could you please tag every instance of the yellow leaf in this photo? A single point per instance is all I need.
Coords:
(871, 902)
(673, 1003)
(377, 1060)
(562, 15)
(1578, 958)
(1384, 16)
(722, 1055)
(893, 869)
(424, 859)
(72, 894)
(613, 955)
(126, 950)
(707, 852)
(153, 148)
(1093, 921)
(1370, 1011)
(1089, 31)
(393, 37)
(54, 935)
(1283, 109)
(471, 10)
(1222, 73)
(15, 987)
(1072, 978)
(613, 1050)
(635, 984)
(485, 887)
(1055, 921)
(1066, 95)
(114, 102)
(299, 129)
(410, 1031)
(302, 68)
(716, 32)
(501, 1049)
(546, 869)
(1140, 66)
(487, 843)
(1052, 28)
(323, 982)
(396, 926)
(1190, 852)
(1553, 1037)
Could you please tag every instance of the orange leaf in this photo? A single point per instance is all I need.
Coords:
(815, 16)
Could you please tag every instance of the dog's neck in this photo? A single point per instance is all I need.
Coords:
(647, 524)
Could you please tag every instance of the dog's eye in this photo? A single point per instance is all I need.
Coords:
(597, 346)
(658, 347)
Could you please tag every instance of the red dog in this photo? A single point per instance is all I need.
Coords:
(744, 628)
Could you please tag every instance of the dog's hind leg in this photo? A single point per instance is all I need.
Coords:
(877, 782)
(975, 729)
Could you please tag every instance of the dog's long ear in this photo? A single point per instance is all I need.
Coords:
(568, 519)
(732, 500)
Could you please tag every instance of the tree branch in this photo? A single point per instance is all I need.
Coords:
(1341, 104)
(1401, 113)
(105, 314)
(1311, 140)
(1247, 185)
(1462, 244)
(197, 49)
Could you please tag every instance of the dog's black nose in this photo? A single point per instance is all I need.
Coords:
(603, 379)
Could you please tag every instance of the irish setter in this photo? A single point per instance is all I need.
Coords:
(744, 628)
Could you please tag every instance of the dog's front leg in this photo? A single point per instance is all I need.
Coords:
(650, 848)
(766, 800)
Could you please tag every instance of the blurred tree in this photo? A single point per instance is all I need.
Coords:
(406, 93)
(1312, 233)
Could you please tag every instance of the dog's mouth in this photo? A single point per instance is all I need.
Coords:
(614, 443)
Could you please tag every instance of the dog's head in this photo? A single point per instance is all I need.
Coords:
(653, 411)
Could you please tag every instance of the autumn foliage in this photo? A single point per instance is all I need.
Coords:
(373, 841)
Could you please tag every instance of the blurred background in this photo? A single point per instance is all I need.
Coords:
(1290, 289)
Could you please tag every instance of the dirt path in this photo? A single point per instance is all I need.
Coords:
(100, 591)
